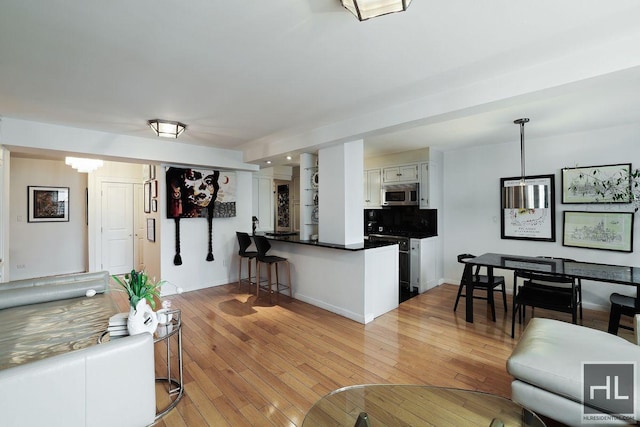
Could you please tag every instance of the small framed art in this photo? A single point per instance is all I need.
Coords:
(48, 204)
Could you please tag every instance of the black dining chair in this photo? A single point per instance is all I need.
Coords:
(621, 305)
(481, 281)
(263, 246)
(244, 241)
(546, 291)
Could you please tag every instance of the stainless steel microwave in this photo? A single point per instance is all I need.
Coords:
(400, 194)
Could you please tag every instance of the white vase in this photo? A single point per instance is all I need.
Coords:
(142, 319)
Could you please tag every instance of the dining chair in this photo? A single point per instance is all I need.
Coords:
(480, 281)
(244, 241)
(263, 246)
(547, 291)
(621, 304)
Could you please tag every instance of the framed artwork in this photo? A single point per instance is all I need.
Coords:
(200, 193)
(147, 197)
(48, 204)
(583, 184)
(151, 229)
(530, 224)
(611, 231)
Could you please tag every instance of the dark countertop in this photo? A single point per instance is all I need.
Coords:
(353, 247)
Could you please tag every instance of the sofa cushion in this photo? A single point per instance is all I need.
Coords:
(550, 354)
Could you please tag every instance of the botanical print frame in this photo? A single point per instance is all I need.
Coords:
(48, 204)
(611, 231)
(530, 224)
(579, 184)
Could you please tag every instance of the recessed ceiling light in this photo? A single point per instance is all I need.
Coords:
(268, 162)
(289, 157)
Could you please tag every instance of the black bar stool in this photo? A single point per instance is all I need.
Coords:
(263, 246)
(244, 241)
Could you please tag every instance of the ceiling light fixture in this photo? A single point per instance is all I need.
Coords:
(268, 162)
(167, 129)
(83, 165)
(289, 157)
(523, 195)
(365, 9)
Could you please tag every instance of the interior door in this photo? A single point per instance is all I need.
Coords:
(139, 227)
(117, 227)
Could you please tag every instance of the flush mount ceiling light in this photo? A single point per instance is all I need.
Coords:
(365, 9)
(523, 195)
(83, 165)
(167, 129)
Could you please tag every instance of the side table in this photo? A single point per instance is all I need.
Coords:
(164, 333)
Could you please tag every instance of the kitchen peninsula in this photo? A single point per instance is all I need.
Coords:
(357, 281)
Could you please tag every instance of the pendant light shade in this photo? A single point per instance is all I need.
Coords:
(365, 9)
(167, 129)
(523, 195)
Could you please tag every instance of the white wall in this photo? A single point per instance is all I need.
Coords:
(472, 199)
(195, 272)
(35, 247)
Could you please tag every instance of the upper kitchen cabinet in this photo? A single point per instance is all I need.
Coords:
(372, 188)
(404, 173)
(424, 186)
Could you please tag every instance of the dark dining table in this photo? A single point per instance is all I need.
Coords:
(618, 274)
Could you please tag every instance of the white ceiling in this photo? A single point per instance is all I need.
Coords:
(285, 76)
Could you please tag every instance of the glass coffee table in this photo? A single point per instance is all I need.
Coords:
(416, 405)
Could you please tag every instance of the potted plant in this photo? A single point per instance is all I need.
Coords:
(141, 291)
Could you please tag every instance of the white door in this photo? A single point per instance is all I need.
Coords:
(117, 227)
(139, 227)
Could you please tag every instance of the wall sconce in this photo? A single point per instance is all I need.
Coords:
(365, 9)
(83, 165)
(167, 129)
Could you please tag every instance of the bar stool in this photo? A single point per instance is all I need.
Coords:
(263, 246)
(244, 241)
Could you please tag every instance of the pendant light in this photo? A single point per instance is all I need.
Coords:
(523, 195)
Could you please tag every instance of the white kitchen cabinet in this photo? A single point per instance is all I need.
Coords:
(424, 186)
(372, 187)
(422, 253)
(397, 174)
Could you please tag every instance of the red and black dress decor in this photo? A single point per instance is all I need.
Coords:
(192, 193)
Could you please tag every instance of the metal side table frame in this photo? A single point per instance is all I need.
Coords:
(175, 387)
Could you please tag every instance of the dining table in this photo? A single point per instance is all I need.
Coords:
(607, 273)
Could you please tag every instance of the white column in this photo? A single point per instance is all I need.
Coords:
(341, 169)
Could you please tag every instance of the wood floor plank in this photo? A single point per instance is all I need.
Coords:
(252, 362)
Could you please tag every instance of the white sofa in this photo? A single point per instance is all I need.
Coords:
(51, 382)
(547, 367)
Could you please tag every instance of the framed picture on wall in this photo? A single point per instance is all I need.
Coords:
(151, 229)
(147, 197)
(584, 184)
(611, 231)
(530, 224)
(47, 204)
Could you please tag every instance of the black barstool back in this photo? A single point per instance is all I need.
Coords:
(244, 241)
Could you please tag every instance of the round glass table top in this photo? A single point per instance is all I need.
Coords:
(416, 405)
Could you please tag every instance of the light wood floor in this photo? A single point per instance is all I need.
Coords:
(250, 362)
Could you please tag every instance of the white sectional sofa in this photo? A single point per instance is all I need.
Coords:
(547, 366)
(52, 370)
